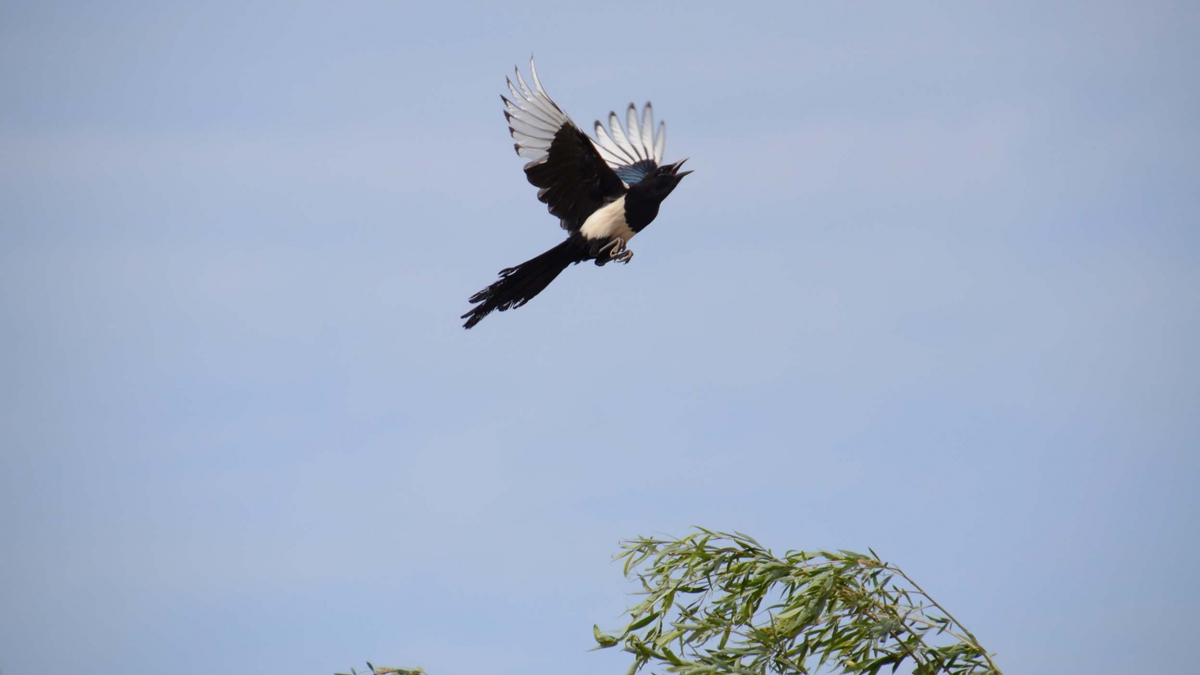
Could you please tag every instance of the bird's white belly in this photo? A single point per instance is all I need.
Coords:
(608, 222)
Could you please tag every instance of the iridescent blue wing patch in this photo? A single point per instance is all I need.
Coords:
(634, 173)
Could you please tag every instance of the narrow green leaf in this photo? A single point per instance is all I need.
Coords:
(642, 622)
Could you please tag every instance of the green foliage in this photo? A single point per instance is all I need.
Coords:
(383, 670)
(718, 604)
(721, 603)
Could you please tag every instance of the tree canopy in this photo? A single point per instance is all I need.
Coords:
(715, 603)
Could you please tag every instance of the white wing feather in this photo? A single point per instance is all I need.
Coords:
(636, 141)
(660, 143)
(648, 130)
(533, 118)
(635, 133)
(608, 148)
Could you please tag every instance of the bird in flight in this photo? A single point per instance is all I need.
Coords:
(603, 190)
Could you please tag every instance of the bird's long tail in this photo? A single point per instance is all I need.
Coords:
(518, 285)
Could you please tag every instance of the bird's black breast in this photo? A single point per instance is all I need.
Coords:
(640, 209)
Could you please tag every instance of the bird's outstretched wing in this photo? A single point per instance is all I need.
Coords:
(635, 151)
(574, 179)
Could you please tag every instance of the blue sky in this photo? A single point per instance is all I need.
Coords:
(932, 289)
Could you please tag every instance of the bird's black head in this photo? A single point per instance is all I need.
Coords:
(660, 182)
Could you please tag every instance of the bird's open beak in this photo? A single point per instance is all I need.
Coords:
(675, 168)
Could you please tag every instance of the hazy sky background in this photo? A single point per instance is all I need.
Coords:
(934, 288)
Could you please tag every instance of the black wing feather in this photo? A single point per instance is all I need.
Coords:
(573, 178)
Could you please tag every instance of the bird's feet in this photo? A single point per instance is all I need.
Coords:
(613, 250)
(616, 251)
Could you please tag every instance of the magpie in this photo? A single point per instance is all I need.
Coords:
(603, 190)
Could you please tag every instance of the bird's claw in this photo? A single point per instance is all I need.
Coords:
(616, 251)
(614, 247)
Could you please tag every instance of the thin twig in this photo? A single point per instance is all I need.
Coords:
(973, 641)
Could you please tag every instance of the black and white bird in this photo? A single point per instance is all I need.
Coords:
(603, 190)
